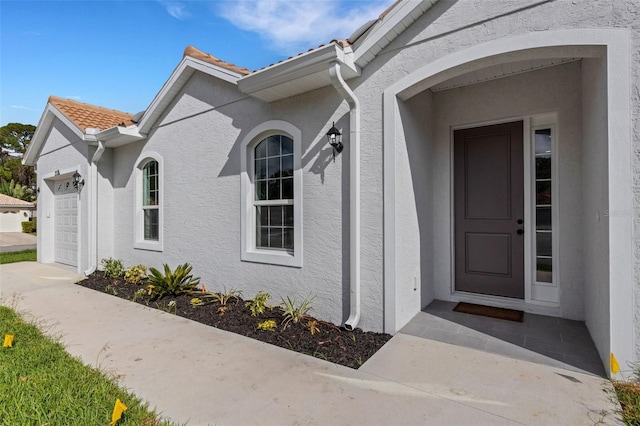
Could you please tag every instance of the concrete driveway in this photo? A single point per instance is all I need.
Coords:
(16, 241)
(200, 375)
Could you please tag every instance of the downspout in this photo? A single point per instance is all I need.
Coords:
(354, 185)
(93, 210)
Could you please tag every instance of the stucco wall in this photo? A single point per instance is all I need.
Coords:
(414, 221)
(11, 218)
(595, 201)
(66, 153)
(105, 205)
(199, 140)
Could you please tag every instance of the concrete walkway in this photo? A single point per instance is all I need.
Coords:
(200, 375)
(16, 241)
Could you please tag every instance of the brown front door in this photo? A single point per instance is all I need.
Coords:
(489, 210)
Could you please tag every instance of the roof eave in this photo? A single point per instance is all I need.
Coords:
(42, 130)
(118, 136)
(299, 74)
(394, 22)
(18, 206)
(176, 82)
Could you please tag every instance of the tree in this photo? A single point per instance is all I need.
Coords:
(14, 141)
(16, 190)
(15, 137)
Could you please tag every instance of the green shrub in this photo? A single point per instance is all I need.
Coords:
(172, 283)
(139, 294)
(223, 297)
(293, 312)
(29, 227)
(258, 305)
(268, 325)
(135, 274)
(113, 268)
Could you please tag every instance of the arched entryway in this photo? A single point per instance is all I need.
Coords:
(555, 85)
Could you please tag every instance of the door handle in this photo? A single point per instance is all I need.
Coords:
(520, 231)
(520, 221)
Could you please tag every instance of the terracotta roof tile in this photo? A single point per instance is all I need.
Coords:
(6, 200)
(89, 116)
(207, 57)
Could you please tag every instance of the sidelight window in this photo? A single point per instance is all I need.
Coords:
(543, 205)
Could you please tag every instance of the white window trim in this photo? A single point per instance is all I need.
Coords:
(249, 251)
(139, 242)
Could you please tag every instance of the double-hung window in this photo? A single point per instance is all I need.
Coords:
(272, 195)
(148, 223)
(150, 199)
(274, 200)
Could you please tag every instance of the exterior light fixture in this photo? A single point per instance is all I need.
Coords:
(335, 140)
(77, 183)
(34, 187)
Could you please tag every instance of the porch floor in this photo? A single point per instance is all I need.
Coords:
(545, 340)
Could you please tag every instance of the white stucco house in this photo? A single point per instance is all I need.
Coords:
(491, 155)
(13, 212)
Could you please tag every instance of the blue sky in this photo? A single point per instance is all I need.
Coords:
(118, 53)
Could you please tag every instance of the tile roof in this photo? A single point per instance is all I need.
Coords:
(6, 200)
(208, 57)
(89, 116)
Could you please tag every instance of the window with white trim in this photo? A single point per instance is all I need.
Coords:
(150, 199)
(272, 195)
(148, 226)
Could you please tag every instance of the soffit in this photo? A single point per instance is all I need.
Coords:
(499, 71)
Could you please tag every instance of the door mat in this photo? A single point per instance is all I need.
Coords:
(490, 311)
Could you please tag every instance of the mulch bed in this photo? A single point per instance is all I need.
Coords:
(330, 342)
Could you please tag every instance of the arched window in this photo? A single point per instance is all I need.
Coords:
(274, 199)
(272, 195)
(150, 201)
(148, 223)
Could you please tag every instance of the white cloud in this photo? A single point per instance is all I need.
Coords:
(22, 107)
(76, 98)
(176, 9)
(292, 25)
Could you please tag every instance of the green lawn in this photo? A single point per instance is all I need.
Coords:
(18, 256)
(41, 384)
(629, 397)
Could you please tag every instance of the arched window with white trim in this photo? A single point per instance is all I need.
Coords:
(148, 222)
(272, 195)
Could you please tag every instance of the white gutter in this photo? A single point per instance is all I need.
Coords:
(93, 210)
(354, 185)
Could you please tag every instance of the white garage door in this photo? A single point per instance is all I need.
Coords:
(66, 238)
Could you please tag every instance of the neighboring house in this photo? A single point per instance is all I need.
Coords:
(491, 155)
(13, 212)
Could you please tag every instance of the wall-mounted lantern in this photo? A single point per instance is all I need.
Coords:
(77, 183)
(335, 140)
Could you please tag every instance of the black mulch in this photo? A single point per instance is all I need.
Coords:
(330, 342)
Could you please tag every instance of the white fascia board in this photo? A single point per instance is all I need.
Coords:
(176, 82)
(312, 62)
(118, 136)
(42, 131)
(396, 20)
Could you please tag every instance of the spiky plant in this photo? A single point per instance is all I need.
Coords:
(172, 283)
